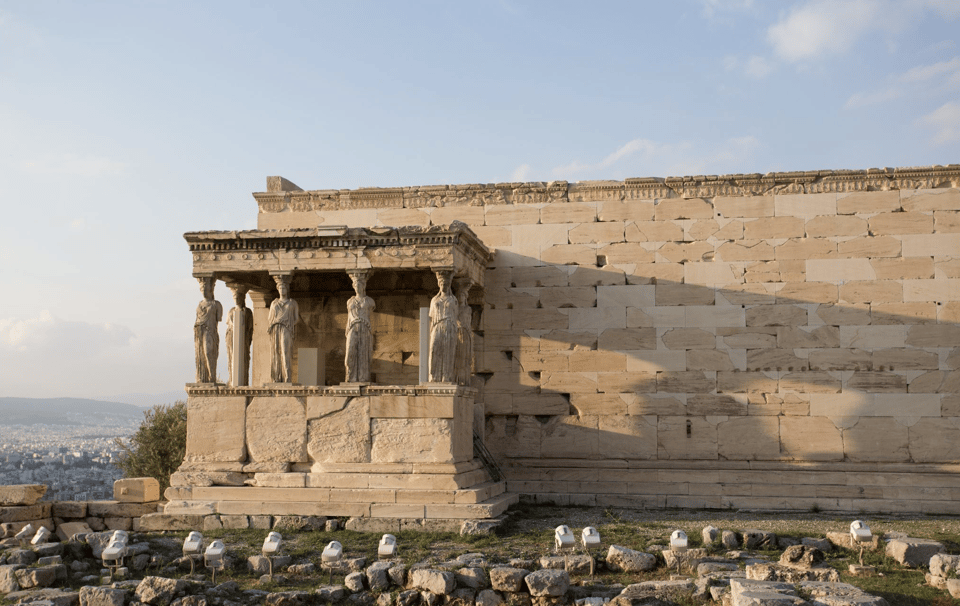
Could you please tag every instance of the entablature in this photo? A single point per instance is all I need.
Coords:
(229, 254)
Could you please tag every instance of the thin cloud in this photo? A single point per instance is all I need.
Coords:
(643, 157)
(944, 75)
(712, 8)
(520, 173)
(945, 122)
(45, 333)
(822, 27)
(758, 67)
(755, 66)
(858, 100)
(923, 73)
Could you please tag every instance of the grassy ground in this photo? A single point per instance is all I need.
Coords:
(528, 534)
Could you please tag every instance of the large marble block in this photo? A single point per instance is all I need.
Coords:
(341, 435)
(276, 430)
(216, 429)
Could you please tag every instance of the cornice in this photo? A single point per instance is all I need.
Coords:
(648, 188)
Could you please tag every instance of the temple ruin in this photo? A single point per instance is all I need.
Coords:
(425, 355)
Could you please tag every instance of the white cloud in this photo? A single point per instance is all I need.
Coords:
(73, 165)
(520, 173)
(942, 76)
(47, 356)
(926, 72)
(758, 67)
(945, 121)
(822, 27)
(754, 67)
(712, 7)
(858, 100)
(46, 333)
(643, 157)
(642, 147)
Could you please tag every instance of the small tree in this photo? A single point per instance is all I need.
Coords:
(158, 447)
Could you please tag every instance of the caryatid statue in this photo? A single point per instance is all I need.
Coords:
(206, 339)
(443, 332)
(245, 316)
(359, 331)
(464, 334)
(282, 326)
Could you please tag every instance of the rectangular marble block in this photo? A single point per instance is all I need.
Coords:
(412, 406)
(216, 428)
(861, 404)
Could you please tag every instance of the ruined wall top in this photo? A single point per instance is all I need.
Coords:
(282, 195)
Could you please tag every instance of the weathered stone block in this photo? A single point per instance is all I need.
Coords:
(683, 208)
(547, 582)
(411, 441)
(21, 494)
(440, 582)
(507, 579)
(215, 428)
(136, 490)
(276, 430)
(628, 560)
(810, 438)
(744, 206)
(913, 553)
(749, 439)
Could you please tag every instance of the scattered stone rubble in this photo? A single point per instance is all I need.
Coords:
(42, 574)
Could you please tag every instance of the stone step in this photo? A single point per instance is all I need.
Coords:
(488, 508)
(475, 494)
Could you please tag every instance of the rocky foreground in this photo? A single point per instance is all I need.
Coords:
(737, 568)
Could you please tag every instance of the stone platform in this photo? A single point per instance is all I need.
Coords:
(387, 452)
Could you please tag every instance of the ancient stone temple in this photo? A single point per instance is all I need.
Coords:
(779, 341)
(327, 410)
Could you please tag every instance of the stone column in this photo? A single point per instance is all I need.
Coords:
(260, 356)
(359, 331)
(206, 338)
(282, 327)
(239, 336)
(464, 359)
(443, 330)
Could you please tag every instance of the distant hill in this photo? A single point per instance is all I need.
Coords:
(67, 411)
(147, 400)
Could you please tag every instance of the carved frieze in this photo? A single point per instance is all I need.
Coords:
(649, 188)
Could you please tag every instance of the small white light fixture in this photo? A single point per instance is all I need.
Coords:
(193, 548)
(590, 537)
(43, 534)
(117, 547)
(114, 553)
(563, 538)
(271, 545)
(271, 548)
(860, 532)
(331, 557)
(387, 547)
(332, 553)
(213, 558)
(678, 540)
(861, 535)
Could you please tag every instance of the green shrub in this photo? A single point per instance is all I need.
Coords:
(157, 449)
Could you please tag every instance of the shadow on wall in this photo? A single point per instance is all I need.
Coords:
(581, 362)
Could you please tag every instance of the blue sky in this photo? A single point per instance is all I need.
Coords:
(125, 124)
